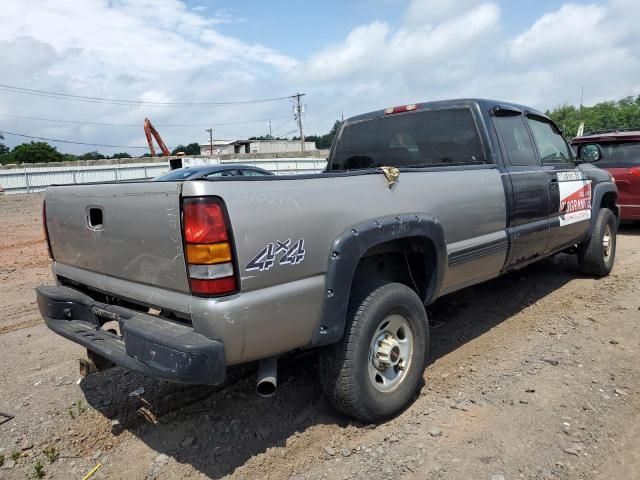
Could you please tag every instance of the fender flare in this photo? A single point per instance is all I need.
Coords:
(599, 191)
(347, 250)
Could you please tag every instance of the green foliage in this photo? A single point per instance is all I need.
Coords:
(266, 137)
(38, 470)
(34, 152)
(3, 150)
(121, 155)
(323, 142)
(15, 455)
(624, 113)
(95, 155)
(51, 453)
(1, 459)
(191, 149)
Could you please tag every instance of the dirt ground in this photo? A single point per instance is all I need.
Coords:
(532, 376)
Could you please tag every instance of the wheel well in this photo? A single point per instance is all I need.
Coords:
(609, 201)
(410, 260)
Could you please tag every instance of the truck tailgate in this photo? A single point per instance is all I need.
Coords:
(129, 230)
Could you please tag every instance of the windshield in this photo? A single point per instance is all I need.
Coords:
(175, 175)
(429, 138)
(620, 154)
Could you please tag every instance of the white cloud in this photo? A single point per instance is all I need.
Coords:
(156, 50)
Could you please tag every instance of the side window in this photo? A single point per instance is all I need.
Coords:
(516, 140)
(551, 146)
(224, 173)
(253, 173)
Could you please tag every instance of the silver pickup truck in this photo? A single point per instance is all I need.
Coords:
(180, 280)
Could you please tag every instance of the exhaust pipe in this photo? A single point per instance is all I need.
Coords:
(267, 377)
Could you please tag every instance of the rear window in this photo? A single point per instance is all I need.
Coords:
(619, 155)
(431, 138)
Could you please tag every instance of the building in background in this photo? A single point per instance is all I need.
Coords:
(231, 147)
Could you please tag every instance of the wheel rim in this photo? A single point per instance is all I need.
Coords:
(390, 353)
(607, 243)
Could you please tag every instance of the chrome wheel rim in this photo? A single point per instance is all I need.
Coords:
(607, 242)
(390, 353)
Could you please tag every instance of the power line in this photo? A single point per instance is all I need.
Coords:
(114, 101)
(104, 124)
(69, 141)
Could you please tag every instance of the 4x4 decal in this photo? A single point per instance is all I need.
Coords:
(266, 258)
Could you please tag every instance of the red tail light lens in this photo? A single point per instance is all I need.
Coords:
(204, 222)
(209, 251)
(45, 229)
(635, 171)
(213, 287)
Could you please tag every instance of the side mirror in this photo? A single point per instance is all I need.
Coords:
(589, 152)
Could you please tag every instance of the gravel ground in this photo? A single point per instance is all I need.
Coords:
(533, 375)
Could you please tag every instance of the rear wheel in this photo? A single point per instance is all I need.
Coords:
(596, 255)
(374, 372)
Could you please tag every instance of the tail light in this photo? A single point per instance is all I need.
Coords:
(635, 171)
(209, 252)
(45, 229)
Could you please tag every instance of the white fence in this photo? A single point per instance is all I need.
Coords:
(36, 179)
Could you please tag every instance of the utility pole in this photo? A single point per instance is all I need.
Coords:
(210, 130)
(298, 117)
(270, 136)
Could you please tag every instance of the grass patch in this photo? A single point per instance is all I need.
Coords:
(51, 453)
(38, 470)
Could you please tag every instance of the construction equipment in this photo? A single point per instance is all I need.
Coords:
(149, 130)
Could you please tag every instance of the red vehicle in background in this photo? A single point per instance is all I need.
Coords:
(617, 151)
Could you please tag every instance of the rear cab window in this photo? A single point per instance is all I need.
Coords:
(422, 138)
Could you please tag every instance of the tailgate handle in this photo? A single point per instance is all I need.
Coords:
(95, 218)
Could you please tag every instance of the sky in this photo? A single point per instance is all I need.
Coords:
(348, 57)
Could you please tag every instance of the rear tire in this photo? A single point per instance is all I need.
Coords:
(596, 255)
(374, 371)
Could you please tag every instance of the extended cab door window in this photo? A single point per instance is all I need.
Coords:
(516, 140)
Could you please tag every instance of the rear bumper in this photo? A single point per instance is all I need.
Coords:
(152, 346)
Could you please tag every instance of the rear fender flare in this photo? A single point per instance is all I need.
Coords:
(347, 250)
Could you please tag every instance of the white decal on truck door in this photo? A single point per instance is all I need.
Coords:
(575, 198)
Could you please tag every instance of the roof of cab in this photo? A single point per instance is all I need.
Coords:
(483, 103)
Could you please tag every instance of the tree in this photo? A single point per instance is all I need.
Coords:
(191, 149)
(91, 156)
(323, 142)
(624, 113)
(36, 152)
(121, 155)
(3, 148)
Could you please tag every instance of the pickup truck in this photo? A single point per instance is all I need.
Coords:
(181, 280)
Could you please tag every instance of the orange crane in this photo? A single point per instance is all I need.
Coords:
(149, 130)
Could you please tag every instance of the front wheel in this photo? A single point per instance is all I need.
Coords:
(596, 255)
(374, 372)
